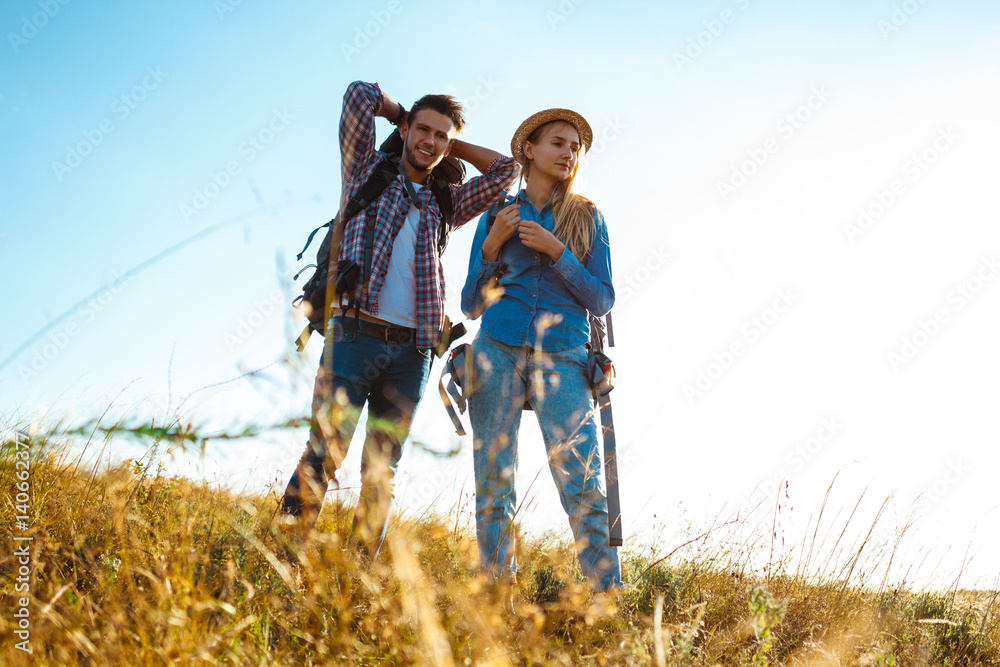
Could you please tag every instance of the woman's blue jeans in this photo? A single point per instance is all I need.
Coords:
(558, 391)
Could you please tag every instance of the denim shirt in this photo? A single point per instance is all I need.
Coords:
(536, 289)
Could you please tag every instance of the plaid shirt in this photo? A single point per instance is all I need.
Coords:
(359, 159)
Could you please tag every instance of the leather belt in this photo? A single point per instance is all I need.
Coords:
(384, 332)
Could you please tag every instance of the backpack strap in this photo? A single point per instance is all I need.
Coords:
(410, 190)
(449, 334)
(491, 217)
(443, 195)
(491, 213)
(601, 370)
(365, 200)
(371, 216)
(611, 472)
(599, 366)
(372, 189)
(306, 246)
(459, 367)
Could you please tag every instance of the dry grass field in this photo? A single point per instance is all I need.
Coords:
(127, 566)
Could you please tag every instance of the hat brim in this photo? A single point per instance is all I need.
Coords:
(534, 121)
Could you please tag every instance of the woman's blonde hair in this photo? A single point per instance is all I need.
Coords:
(573, 213)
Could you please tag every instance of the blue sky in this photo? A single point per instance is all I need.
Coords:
(738, 142)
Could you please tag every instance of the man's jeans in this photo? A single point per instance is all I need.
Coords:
(391, 377)
(559, 393)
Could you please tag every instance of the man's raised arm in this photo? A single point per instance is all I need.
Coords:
(479, 157)
(475, 196)
(362, 102)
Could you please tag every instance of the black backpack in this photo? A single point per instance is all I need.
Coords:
(314, 292)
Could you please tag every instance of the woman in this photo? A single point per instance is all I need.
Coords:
(548, 254)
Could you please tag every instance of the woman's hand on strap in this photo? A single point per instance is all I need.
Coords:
(540, 239)
(505, 225)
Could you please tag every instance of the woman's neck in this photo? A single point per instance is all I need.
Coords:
(539, 190)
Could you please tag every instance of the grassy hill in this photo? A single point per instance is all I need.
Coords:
(130, 567)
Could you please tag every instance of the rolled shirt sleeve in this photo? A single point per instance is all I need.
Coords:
(362, 101)
(476, 195)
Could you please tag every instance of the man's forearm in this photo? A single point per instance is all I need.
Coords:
(479, 157)
(390, 107)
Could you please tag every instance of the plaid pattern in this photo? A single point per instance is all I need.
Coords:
(359, 158)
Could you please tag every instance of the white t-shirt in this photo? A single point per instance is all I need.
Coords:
(397, 300)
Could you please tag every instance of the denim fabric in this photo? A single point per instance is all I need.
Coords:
(391, 377)
(559, 393)
(544, 303)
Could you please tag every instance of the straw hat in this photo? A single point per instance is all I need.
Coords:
(535, 121)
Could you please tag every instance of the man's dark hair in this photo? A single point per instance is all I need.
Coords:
(443, 104)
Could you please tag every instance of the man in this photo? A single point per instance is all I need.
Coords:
(381, 352)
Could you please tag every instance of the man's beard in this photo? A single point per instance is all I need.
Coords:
(411, 157)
